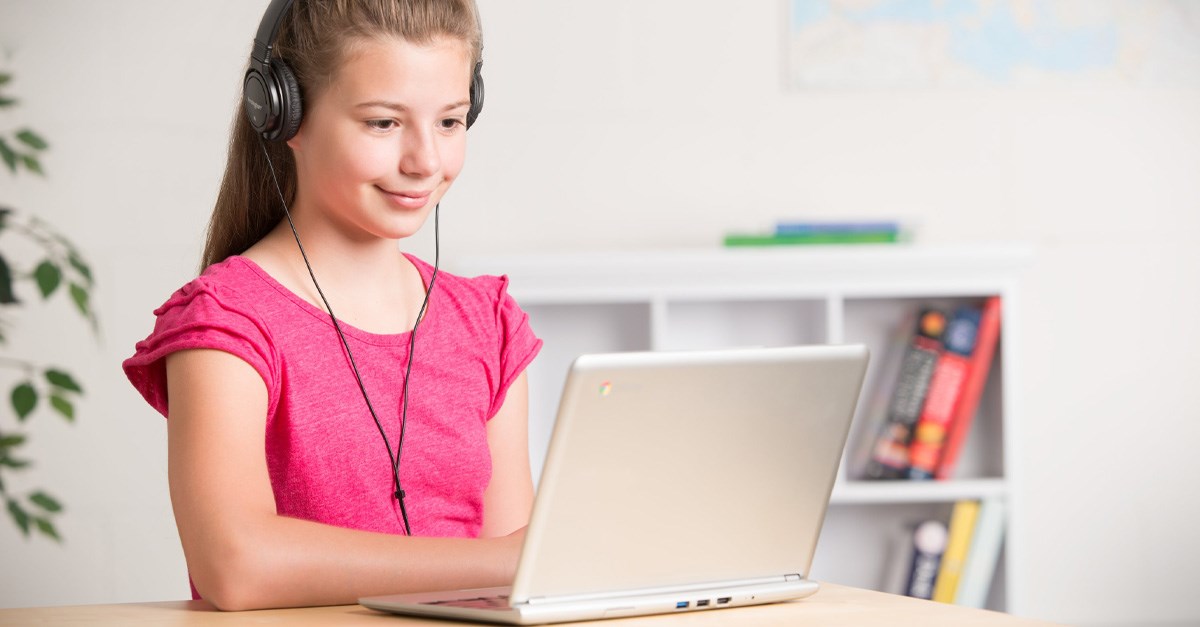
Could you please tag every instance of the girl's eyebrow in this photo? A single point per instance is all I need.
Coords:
(395, 106)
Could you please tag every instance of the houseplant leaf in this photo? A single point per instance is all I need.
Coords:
(46, 502)
(32, 139)
(6, 292)
(24, 399)
(48, 277)
(10, 157)
(63, 406)
(80, 296)
(47, 528)
(19, 515)
(79, 265)
(61, 379)
(32, 164)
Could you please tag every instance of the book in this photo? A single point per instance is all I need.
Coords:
(928, 545)
(889, 454)
(986, 339)
(980, 565)
(958, 542)
(945, 388)
(807, 228)
(772, 239)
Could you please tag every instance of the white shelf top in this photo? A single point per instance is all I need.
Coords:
(756, 272)
(879, 492)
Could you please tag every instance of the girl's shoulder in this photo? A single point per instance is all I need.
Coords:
(236, 285)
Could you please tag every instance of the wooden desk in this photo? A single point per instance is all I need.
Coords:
(834, 605)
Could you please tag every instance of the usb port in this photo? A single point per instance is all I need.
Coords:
(682, 604)
(724, 600)
(702, 603)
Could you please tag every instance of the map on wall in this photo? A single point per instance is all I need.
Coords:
(968, 43)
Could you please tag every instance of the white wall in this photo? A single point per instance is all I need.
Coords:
(632, 124)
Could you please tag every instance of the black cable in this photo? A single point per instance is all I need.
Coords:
(412, 340)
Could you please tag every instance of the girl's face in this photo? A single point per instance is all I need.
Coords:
(383, 142)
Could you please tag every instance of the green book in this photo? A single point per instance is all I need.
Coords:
(865, 237)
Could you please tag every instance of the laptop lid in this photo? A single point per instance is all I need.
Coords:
(682, 469)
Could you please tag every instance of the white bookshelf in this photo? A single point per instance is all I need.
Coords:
(689, 299)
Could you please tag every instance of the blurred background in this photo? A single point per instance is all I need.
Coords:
(664, 124)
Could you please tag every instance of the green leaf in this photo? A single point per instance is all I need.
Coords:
(4, 213)
(47, 529)
(80, 296)
(63, 406)
(11, 441)
(24, 399)
(32, 139)
(10, 157)
(63, 380)
(79, 265)
(6, 102)
(5, 77)
(32, 164)
(6, 292)
(48, 277)
(14, 463)
(19, 515)
(45, 501)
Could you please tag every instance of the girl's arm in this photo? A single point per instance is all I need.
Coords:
(509, 497)
(241, 554)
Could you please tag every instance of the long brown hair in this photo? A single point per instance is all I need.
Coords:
(314, 39)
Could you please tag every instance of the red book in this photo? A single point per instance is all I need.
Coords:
(977, 374)
(945, 387)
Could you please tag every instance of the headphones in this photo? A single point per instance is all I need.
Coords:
(271, 94)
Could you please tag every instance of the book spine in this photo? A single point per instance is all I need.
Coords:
(967, 404)
(958, 542)
(929, 543)
(889, 455)
(747, 239)
(945, 387)
(983, 555)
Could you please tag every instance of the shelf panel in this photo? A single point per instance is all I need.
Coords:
(884, 492)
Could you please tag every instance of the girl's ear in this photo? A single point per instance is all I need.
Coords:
(294, 142)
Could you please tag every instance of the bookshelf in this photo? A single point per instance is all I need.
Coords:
(693, 299)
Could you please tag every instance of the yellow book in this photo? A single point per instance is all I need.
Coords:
(962, 527)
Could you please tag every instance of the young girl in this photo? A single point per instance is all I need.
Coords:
(299, 461)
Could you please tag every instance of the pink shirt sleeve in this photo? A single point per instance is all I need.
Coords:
(518, 344)
(202, 316)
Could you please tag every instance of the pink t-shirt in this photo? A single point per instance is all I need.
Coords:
(326, 459)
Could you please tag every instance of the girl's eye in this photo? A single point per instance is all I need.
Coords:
(450, 124)
(381, 125)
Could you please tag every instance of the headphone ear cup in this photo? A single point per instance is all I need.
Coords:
(291, 107)
(476, 94)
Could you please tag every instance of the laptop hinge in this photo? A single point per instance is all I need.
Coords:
(566, 598)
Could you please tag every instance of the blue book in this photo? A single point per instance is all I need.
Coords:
(826, 228)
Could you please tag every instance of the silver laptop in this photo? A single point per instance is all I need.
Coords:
(675, 482)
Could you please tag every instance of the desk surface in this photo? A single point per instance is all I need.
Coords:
(834, 605)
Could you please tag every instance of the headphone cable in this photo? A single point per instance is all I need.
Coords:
(394, 459)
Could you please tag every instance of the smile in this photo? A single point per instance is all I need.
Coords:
(407, 199)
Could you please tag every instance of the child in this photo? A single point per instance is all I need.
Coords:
(300, 457)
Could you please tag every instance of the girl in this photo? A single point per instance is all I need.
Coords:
(300, 456)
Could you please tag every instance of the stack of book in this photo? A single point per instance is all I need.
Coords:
(935, 393)
(951, 563)
(820, 232)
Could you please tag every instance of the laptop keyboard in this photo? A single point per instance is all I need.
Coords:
(484, 603)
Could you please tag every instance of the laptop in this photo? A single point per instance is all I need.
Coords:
(675, 482)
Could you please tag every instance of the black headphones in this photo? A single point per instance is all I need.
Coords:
(271, 94)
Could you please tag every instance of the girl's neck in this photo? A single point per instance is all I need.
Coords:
(370, 284)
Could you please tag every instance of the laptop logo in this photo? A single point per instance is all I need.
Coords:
(605, 388)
